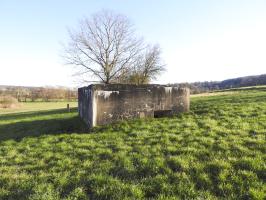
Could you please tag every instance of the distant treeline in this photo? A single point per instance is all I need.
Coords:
(199, 87)
(61, 93)
(24, 94)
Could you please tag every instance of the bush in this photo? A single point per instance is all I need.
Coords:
(8, 102)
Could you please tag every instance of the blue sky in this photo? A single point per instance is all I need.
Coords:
(200, 39)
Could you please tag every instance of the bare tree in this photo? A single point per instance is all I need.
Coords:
(104, 46)
(22, 94)
(147, 67)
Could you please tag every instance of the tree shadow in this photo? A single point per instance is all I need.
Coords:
(37, 127)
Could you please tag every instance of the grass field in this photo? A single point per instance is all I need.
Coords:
(217, 151)
(37, 106)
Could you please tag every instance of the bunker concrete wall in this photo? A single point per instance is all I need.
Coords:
(103, 104)
(85, 106)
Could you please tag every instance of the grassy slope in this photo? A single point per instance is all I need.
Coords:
(217, 151)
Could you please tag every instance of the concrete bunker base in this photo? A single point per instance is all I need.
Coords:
(103, 104)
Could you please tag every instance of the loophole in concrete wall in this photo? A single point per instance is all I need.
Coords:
(162, 113)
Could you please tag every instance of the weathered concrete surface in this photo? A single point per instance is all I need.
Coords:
(103, 104)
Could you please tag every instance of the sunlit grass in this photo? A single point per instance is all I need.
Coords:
(217, 151)
(37, 106)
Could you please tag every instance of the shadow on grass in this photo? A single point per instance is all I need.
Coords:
(68, 123)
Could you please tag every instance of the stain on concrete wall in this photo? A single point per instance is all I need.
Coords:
(104, 104)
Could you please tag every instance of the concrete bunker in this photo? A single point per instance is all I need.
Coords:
(103, 104)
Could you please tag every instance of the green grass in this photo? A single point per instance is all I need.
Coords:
(217, 151)
(37, 106)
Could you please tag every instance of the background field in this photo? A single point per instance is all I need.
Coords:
(217, 151)
(38, 106)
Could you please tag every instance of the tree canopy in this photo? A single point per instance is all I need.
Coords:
(106, 47)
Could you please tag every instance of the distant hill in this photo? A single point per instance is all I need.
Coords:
(199, 87)
(196, 87)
